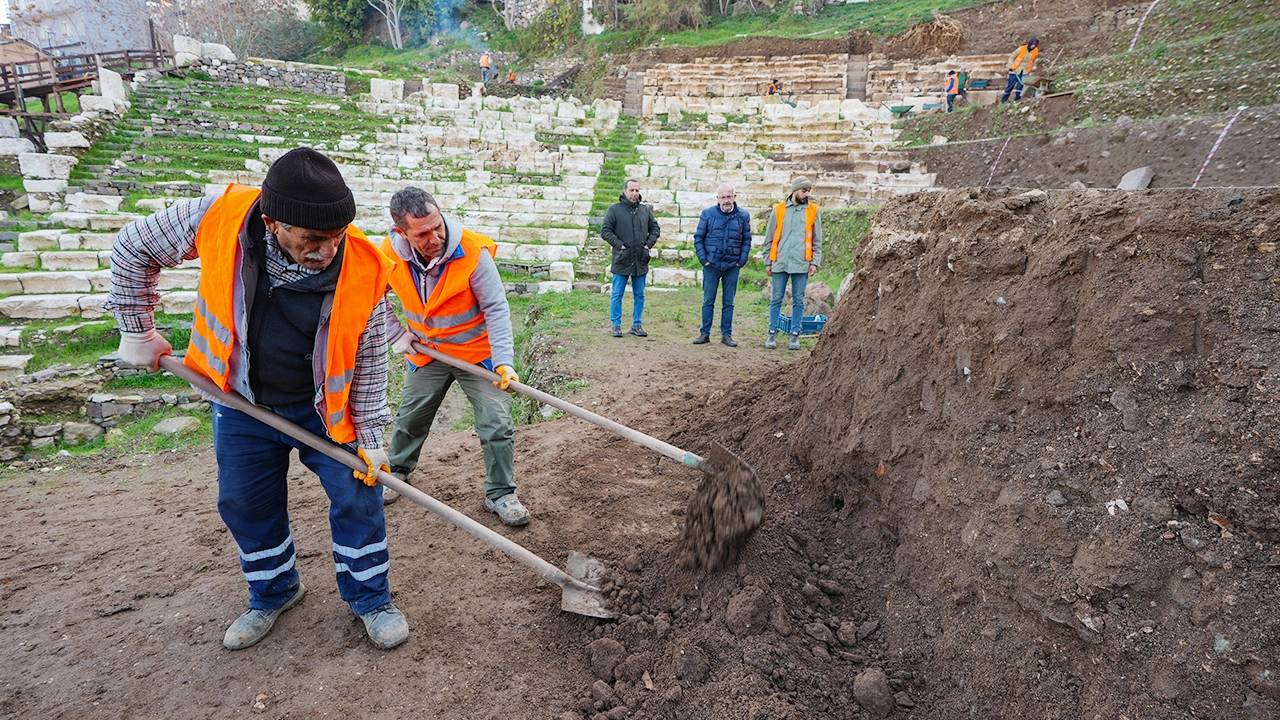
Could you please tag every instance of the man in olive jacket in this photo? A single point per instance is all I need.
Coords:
(631, 230)
(792, 253)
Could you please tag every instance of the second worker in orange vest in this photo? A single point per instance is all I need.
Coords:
(453, 300)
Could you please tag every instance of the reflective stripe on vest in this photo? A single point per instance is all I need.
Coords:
(451, 318)
(361, 284)
(810, 217)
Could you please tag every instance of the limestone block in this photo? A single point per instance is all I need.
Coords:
(111, 85)
(42, 166)
(91, 306)
(100, 280)
(43, 202)
(175, 279)
(178, 302)
(110, 222)
(546, 253)
(10, 284)
(55, 282)
(11, 366)
(674, 276)
(521, 234)
(19, 259)
(152, 205)
(15, 146)
(567, 236)
(217, 51)
(1137, 179)
(387, 90)
(182, 43)
(58, 140)
(9, 128)
(506, 251)
(84, 202)
(554, 286)
(39, 239)
(40, 306)
(92, 241)
(98, 103)
(44, 186)
(183, 59)
(72, 260)
(562, 271)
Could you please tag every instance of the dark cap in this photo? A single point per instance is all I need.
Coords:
(304, 189)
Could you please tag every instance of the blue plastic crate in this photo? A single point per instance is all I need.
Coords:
(810, 325)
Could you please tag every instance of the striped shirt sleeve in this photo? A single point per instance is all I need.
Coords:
(368, 400)
(142, 248)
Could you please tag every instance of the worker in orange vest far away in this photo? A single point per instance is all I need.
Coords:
(774, 88)
(792, 252)
(1021, 62)
(511, 77)
(290, 314)
(485, 67)
(453, 300)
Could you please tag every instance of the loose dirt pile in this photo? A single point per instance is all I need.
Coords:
(722, 514)
(1029, 471)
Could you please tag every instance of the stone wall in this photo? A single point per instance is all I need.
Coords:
(274, 73)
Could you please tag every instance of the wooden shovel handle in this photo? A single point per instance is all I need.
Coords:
(653, 443)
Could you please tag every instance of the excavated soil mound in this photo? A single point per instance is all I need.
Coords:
(1030, 470)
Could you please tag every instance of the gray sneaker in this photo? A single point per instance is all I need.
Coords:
(794, 343)
(388, 495)
(771, 342)
(386, 626)
(510, 510)
(254, 625)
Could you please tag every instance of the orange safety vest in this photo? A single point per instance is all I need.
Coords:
(450, 320)
(810, 217)
(953, 86)
(773, 89)
(361, 284)
(1022, 53)
(484, 60)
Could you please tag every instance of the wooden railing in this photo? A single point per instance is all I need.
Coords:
(70, 72)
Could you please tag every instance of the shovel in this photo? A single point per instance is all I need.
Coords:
(722, 514)
(581, 596)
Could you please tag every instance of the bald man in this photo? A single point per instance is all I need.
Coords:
(723, 243)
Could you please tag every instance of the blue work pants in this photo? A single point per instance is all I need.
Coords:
(253, 500)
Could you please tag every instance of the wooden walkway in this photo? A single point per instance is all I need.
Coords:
(47, 78)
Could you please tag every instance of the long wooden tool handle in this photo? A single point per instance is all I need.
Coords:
(542, 567)
(653, 443)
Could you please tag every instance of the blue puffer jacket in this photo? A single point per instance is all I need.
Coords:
(723, 239)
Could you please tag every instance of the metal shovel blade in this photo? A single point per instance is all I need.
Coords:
(582, 595)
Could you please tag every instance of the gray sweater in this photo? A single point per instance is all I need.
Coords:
(486, 284)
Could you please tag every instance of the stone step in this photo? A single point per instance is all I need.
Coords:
(44, 282)
(83, 305)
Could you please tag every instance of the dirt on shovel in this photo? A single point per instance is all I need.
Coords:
(725, 510)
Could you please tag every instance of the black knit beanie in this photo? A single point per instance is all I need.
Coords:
(304, 189)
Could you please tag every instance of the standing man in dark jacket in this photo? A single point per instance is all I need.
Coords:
(723, 244)
(631, 230)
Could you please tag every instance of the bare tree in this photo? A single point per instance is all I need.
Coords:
(391, 10)
(248, 27)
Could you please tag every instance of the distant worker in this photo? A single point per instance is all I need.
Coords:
(953, 89)
(1021, 62)
(723, 244)
(511, 77)
(962, 82)
(485, 67)
(774, 88)
(454, 301)
(793, 252)
(631, 230)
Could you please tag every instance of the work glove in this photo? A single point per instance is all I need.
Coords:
(144, 349)
(404, 343)
(508, 375)
(376, 459)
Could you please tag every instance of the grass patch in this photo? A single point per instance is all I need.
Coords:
(842, 233)
(150, 381)
(86, 344)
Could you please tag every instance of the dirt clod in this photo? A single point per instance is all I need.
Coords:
(726, 509)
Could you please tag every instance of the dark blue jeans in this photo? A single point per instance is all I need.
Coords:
(253, 500)
(1014, 86)
(712, 278)
(799, 281)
